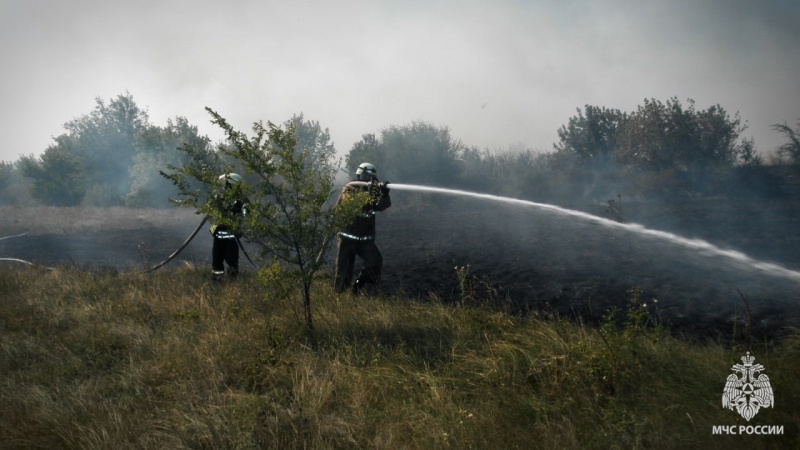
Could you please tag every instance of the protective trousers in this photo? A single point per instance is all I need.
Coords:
(224, 251)
(346, 258)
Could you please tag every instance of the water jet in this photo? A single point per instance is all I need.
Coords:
(699, 245)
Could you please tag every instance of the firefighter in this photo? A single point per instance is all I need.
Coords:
(233, 208)
(358, 238)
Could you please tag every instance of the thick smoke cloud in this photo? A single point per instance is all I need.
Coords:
(497, 73)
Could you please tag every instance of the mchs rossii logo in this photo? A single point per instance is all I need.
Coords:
(746, 391)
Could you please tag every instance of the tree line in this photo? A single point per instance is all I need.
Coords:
(113, 155)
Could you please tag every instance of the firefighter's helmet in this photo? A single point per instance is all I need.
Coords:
(366, 172)
(231, 179)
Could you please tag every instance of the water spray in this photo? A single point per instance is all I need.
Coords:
(22, 261)
(10, 237)
(696, 244)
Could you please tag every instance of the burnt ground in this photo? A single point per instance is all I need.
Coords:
(547, 261)
(524, 258)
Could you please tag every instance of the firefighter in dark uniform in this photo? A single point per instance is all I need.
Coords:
(225, 249)
(358, 238)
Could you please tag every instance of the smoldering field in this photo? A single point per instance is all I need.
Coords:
(522, 258)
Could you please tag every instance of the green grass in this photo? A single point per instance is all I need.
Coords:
(101, 359)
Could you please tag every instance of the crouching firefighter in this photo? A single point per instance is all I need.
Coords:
(232, 206)
(358, 238)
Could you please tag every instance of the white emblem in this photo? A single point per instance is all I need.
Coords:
(746, 393)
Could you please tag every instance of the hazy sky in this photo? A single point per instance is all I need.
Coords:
(496, 72)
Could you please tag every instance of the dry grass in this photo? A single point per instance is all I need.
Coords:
(169, 360)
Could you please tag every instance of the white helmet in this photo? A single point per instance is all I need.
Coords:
(366, 172)
(230, 178)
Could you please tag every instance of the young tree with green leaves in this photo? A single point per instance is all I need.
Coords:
(290, 214)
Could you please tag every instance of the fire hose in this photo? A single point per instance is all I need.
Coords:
(323, 250)
(186, 243)
(188, 240)
(183, 246)
(238, 241)
(21, 261)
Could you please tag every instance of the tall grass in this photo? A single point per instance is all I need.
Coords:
(170, 360)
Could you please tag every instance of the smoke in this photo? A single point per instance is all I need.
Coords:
(496, 73)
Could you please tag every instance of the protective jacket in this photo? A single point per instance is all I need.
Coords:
(363, 226)
(225, 248)
(234, 211)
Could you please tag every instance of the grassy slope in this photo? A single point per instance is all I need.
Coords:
(168, 360)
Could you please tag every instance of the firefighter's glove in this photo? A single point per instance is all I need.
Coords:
(375, 190)
(384, 187)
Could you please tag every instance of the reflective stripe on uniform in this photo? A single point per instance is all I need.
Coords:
(225, 235)
(355, 238)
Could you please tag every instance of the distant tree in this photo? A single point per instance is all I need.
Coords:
(368, 149)
(533, 175)
(288, 217)
(593, 136)
(312, 137)
(6, 174)
(511, 171)
(415, 153)
(60, 175)
(156, 149)
(101, 146)
(14, 188)
(695, 146)
(106, 141)
(473, 170)
(791, 149)
(661, 136)
(420, 153)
